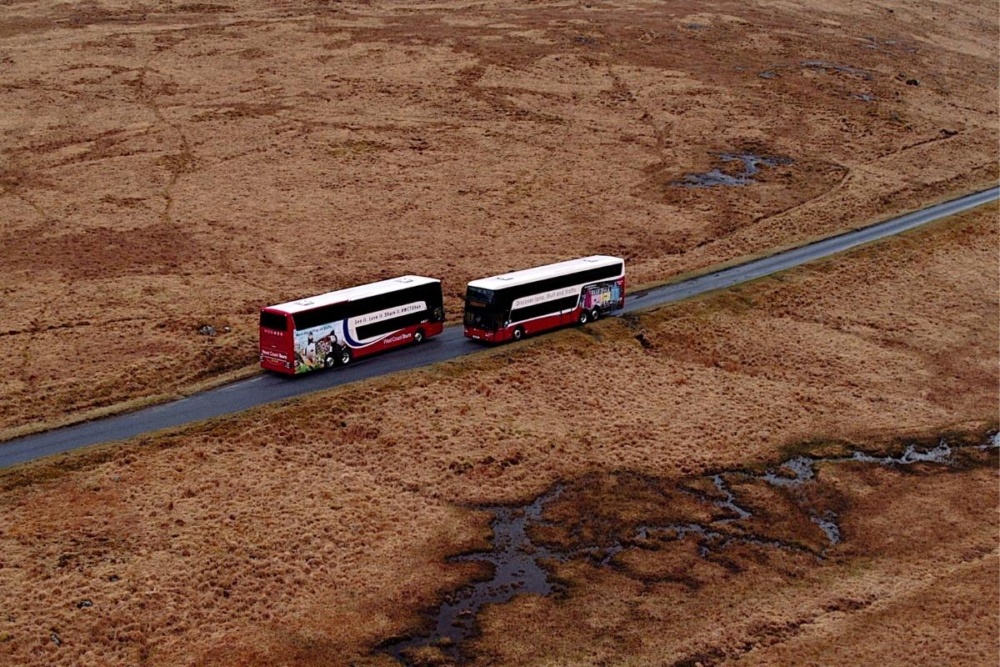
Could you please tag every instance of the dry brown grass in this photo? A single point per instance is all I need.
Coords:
(306, 534)
(914, 583)
(168, 166)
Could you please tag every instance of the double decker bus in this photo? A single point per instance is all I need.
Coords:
(332, 329)
(514, 305)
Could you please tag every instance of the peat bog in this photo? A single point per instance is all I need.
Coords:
(642, 512)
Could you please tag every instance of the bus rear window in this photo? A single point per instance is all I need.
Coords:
(272, 321)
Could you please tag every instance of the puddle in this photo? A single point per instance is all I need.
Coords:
(828, 524)
(711, 179)
(803, 470)
(751, 164)
(729, 503)
(940, 454)
(992, 442)
(801, 467)
(517, 561)
(711, 541)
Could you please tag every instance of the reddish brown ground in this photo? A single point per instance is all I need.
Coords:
(307, 534)
(166, 166)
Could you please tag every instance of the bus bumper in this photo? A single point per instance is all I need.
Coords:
(277, 365)
(481, 335)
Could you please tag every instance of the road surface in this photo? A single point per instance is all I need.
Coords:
(267, 388)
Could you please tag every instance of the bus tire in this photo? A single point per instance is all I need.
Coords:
(345, 356)
(418, 337)
(518, 333)
(330, 361)
(584, 317)
(595, 315)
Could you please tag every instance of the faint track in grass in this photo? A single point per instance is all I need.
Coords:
(263, 389)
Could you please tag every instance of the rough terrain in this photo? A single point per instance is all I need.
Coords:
(319, 532)
(169, 167)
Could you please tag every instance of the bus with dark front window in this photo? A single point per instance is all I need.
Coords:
(332, 329)
(514, 305)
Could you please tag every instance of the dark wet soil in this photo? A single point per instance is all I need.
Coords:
(750, 163)
(822, 66)
(517, 570)
(834, 67)
(598, 519)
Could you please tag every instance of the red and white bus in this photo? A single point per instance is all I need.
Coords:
(514, 305)
(332, 329)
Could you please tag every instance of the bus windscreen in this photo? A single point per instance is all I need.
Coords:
(479, 310)
(480, 298)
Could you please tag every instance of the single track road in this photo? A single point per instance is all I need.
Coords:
(267, 388)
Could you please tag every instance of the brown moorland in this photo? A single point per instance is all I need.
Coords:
(312, 533)
(168, 166)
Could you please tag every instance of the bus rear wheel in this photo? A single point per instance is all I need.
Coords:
(584, 317)
(345, 356)
(595, 315)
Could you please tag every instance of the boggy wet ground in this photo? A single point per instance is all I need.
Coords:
(517, 570)
(738, 169)
(600, 518)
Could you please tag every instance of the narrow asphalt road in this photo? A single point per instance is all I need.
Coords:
(267, 388)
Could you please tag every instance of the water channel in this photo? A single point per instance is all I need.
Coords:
(522, 567)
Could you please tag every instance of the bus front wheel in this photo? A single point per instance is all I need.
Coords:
(518, 333)
(418, 337)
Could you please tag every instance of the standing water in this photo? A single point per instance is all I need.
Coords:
(517, 562)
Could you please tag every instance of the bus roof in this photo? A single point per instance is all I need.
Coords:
(542, 272)
(351, 293)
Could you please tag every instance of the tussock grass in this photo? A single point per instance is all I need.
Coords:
(322, 525)
(219, 160)
(176, 200)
